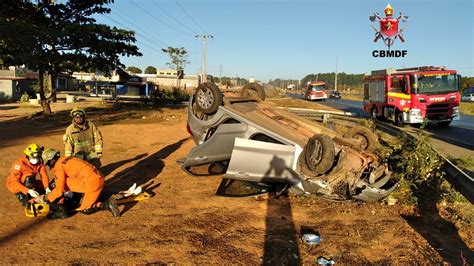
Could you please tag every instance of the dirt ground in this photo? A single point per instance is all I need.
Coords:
(186, 223)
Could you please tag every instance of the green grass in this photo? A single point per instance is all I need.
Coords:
(467, 108)
(465, 163)
(354, 97)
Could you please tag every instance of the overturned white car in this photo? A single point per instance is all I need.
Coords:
(246, 139)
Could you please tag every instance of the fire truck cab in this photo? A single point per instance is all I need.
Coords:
(413, 95)
(316, 90)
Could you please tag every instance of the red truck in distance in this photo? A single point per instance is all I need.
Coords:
(316, 90)
(413, 95)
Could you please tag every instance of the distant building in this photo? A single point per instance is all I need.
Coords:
(168, 78)
(15, 81)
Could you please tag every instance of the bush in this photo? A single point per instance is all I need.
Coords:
(175, 95)
(25, 98)
(418, 167)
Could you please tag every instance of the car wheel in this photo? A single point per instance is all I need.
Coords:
(208, 97)
(319, 154)
(444, 123)
(367, 138)
(374, 112)
(253, 89)
(399, 119)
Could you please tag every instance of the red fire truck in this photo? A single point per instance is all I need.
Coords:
(316, 90)
(411, 95)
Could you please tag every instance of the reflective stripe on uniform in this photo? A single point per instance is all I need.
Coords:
(81, 143)
(98, 148)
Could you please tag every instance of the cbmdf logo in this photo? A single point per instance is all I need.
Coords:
(388, 31)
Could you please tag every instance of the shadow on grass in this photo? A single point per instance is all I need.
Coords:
(441, 234)
(22, 229)
(142, 172)
(281, 243)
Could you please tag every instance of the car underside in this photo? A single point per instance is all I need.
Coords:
(244, 138)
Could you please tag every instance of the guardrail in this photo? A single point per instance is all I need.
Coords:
(460, 180)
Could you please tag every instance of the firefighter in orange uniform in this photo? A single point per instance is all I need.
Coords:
(22, 179)
(75, 175)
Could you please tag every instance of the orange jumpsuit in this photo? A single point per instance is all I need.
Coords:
(77, 176)
(21, 169)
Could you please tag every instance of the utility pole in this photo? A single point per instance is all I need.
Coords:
(204, 38)
(335, 78)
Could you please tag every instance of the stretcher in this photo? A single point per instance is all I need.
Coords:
(132, 194)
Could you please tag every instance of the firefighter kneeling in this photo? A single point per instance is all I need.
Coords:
(22, 179)
(76, 175)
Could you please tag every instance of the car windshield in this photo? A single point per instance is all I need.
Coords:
(317, 87)
(438, 83)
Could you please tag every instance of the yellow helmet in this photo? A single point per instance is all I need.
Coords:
(33, 151)
(48, 155)
(77, 110)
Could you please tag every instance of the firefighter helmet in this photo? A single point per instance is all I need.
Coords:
(49, 155)
(33, 151)
(77, 110)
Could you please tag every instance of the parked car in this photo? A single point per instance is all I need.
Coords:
(468, 95)
(334, 94)
(246, 139)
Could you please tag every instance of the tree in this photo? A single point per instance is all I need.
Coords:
(179, 59)
(466, 82)
(134, 70)
(52, 38)
(150, 70)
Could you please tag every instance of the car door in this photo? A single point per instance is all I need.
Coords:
(259, 161)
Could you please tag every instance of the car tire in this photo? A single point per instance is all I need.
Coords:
(368, 138)
(253, 89)
(399, 119)
(208, 97)
(374, 112)
(319, 154)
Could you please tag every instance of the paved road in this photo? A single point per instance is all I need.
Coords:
(456, 140)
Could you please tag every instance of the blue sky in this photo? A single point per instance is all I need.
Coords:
(269, 39)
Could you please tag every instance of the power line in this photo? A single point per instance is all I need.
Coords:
(146, 35)
(138, 27)
(151, 15)
(159, 52)
(179, 22)
(195, 22)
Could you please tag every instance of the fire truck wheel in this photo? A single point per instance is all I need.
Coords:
(253, 89)
(374, 112)
(208, 97)
(443, 123)
(399, 119)
(319, 154)
(367, 138)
